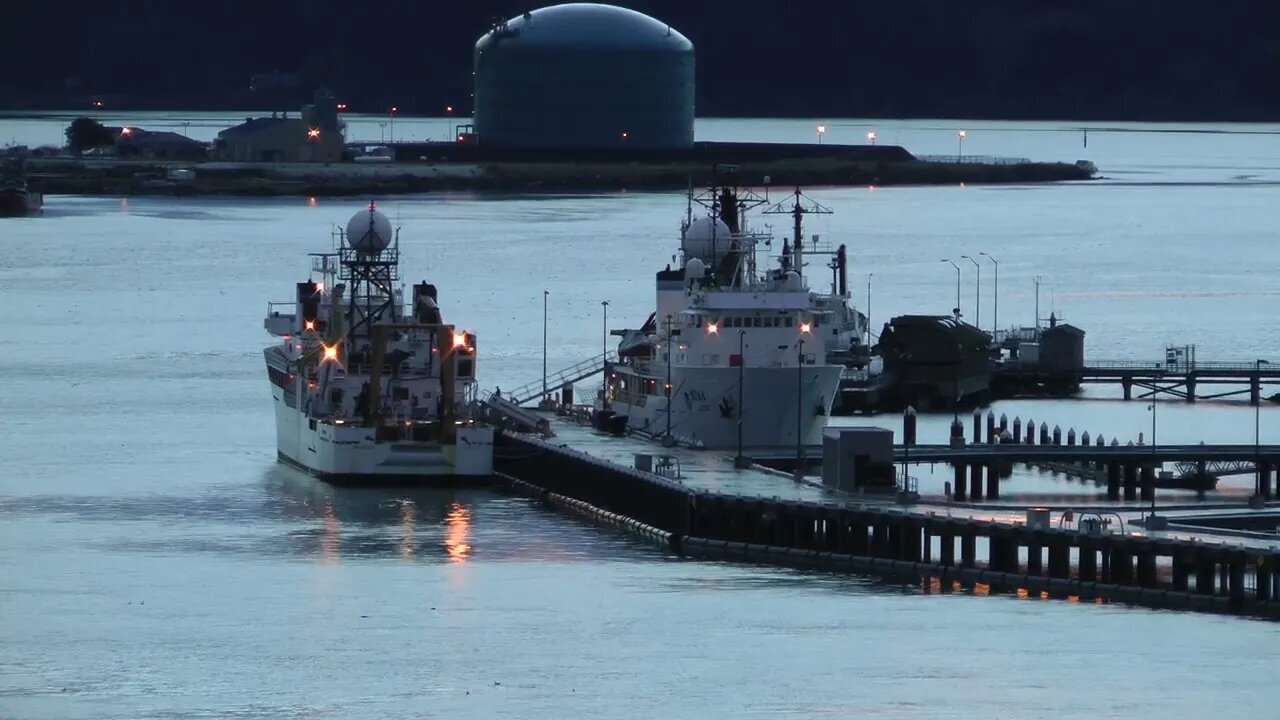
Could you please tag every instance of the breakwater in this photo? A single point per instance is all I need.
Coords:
(534, 172)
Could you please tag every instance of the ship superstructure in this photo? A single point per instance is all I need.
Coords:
(735, 353)
(368, 388)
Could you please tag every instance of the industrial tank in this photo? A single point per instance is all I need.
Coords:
(584, 75)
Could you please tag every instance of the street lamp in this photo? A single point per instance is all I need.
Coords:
(995, 309)
(545, 293)
(804, 330)
(960, 136)
(957, 267)
(822, 130)
(740, 461)
(871, 136)
(977, 293)
(867, 322)
(1257, 428)
(604, 354)
(393, 123)
(448, 122)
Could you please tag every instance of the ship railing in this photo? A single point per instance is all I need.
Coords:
(281, 308)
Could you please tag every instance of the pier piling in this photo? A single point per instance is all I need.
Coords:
(959, 493)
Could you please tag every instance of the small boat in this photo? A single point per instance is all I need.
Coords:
(16, 199)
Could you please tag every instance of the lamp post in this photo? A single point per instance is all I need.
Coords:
(1152, 408)
(871, 136)
(868, 320)
(544, 343)
(977, 292)
(393, 123)
(804, 329)
(960, 136)
(995, 306)
(822, 130)
(448, 123)
(1257, 429)
(957, 267)
(741, 461)
(604, 354)
(667, 392)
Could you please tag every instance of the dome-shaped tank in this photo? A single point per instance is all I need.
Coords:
(369, 231)
(706, 238)
(584, 75)
(695, 269)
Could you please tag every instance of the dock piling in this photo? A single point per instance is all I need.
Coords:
(960, 495)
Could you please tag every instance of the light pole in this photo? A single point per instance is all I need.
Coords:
(604, 354)
(1257, 428)
(741, 461)
(1152, 407)
(871, 136)
(804, 329)
(822, 130)
(544, 343)
(995, 306)
(868, 320)
(382, 132)
(448, 123)
(957, 267)
(393, 123)
(960, 136)
(977, 293)
(667, 440)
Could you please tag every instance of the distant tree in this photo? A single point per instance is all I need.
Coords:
(85, 133)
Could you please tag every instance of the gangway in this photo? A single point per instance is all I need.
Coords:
(560, 378)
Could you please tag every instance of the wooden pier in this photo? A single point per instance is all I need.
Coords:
(714, 511)
(1189, 381)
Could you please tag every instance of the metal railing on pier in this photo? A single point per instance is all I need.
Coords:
(560, 378)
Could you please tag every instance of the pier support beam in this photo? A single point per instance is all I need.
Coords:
(1113, 480)
(959, 491)
(1130, 481)
(1148, 483)
(1255, 390)
(1088, 564)
(1262, 582)
(1191, 387)
(1059, 558)
(1204, 576)
(1126, 382)
(993, 482)
(948, 543)
(975, 482)
(968, 548)
(1035, 558)
(1180, 572)
(1147, 569)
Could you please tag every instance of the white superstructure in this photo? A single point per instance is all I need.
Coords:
(732, 350)
(365, 387)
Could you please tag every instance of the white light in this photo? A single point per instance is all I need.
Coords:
(712, 328)
(804, 327)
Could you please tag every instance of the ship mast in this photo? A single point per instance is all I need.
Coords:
(801, 205)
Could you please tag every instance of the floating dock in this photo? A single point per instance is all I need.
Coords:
(697, 504)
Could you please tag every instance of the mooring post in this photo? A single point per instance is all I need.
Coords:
(1057, 435)
(1031, 432)
(1130, 481)
(959, 491)
(1127, 383)
(1044, 433)
(1071, 437)
(975, 482)
(1017, 429)
(977, 426)
(1180, 571)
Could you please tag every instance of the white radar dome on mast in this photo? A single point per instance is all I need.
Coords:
(706, 238)
(369, 231)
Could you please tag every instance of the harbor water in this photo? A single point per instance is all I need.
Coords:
(155, 561)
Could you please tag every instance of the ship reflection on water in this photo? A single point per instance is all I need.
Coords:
(363, 523)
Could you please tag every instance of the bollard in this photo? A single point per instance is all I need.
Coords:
(1044, 433)
(1084, 438)
(1017, 429)
(1101, 442)
(977, 426)
(1071, 437)
(909, 426)
(993, 482)
(1057, 435)
(991, 426)
(1004, 422)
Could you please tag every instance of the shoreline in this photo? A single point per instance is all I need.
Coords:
(71, 176)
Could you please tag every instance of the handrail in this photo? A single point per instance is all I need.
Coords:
(569, 375)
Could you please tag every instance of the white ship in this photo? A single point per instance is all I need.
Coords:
(734, 355)
(367, 389)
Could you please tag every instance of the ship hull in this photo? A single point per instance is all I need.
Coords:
(705, 407)
(349, 454)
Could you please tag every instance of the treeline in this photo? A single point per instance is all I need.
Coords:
(1081, 59)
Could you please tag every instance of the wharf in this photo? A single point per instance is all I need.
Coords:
(1223, 560)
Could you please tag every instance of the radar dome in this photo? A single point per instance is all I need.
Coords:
(706, 238)
(791, 281)
(695, 269)
(369, 231)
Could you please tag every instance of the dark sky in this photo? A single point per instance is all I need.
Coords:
(1062, 59)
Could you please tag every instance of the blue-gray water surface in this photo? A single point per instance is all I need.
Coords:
(156, 562)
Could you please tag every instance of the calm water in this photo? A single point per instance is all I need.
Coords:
(156, 562)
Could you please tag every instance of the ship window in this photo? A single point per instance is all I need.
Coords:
(790, 321)
(400, 393)
(335, 396)
(311, 424)
(755, 321)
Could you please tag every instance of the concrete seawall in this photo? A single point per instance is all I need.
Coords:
(142, 177)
